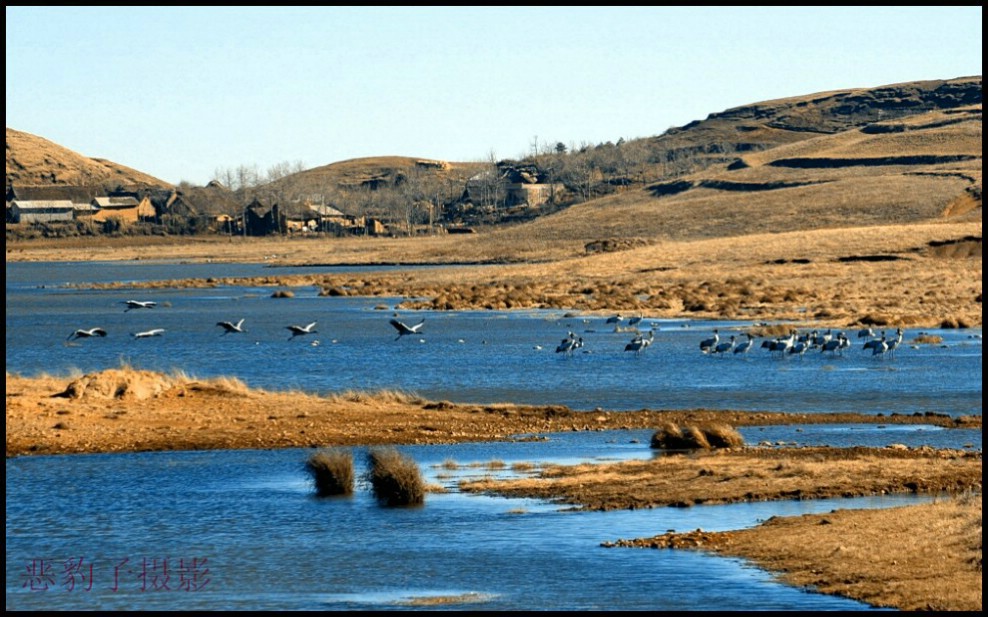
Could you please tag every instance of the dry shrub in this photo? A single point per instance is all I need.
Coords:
(332, 472)
(670, 437)
(395, 478)
(333, 291)
(696, 437)
(952, 323)
(125, 383)
(283, 293)
(928, 339)
(772, 330)
(723, 436)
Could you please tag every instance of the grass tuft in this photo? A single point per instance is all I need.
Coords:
(696, 437)
(332, 472)
(395, 478)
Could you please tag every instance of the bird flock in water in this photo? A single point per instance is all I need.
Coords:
(793, 343)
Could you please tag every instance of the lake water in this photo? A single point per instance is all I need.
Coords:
(243, 530)
(462, 356)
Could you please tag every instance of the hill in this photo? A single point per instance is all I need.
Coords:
(923, 167)
(891, 153)
(370, 171)
(33, 160)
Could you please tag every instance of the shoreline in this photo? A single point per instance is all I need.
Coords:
(804, 276)
(85, 414)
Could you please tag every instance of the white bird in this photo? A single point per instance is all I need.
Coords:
(708, 345)
(744, 346)
(230, 327)
(836, 345)
(874, 343)
(149, 333)
(640, 343)
(302, 330)
(894, 343)
(570, 344)
(81, 333)
(725, 347)
(404, 328)
(139, 304)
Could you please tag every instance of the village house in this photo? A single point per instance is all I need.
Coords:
(40, 211)
(510, 184)
(124, 209)
(261, 220)
(28, 204)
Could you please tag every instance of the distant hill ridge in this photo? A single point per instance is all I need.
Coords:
(33, 160)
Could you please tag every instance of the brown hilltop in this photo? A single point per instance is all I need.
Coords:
(33, 160)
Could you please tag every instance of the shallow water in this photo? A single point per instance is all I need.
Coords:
(262, 540)
(150, 525)
(462, 356)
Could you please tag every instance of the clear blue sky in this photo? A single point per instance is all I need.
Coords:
(182, 92)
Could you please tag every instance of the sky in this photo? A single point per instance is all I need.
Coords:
(182, 93)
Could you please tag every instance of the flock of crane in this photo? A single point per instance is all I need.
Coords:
(798, 344)
(792, 344)
(230, 327)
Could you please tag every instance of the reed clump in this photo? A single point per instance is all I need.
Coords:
(395, 478)
(332, 472)
(696, 437)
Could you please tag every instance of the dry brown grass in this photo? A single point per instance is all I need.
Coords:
(377, 397)
(696, 437)
(332, 471)
(187, 416)
(126, 411)
(924, 557)
(395, 477)
(746, 474)
(821, 276)
(29, 155)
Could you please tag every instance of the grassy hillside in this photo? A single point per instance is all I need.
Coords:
(925, 168)
(34, 160)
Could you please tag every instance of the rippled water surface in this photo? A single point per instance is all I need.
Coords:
(463, 356)
(243, 529)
